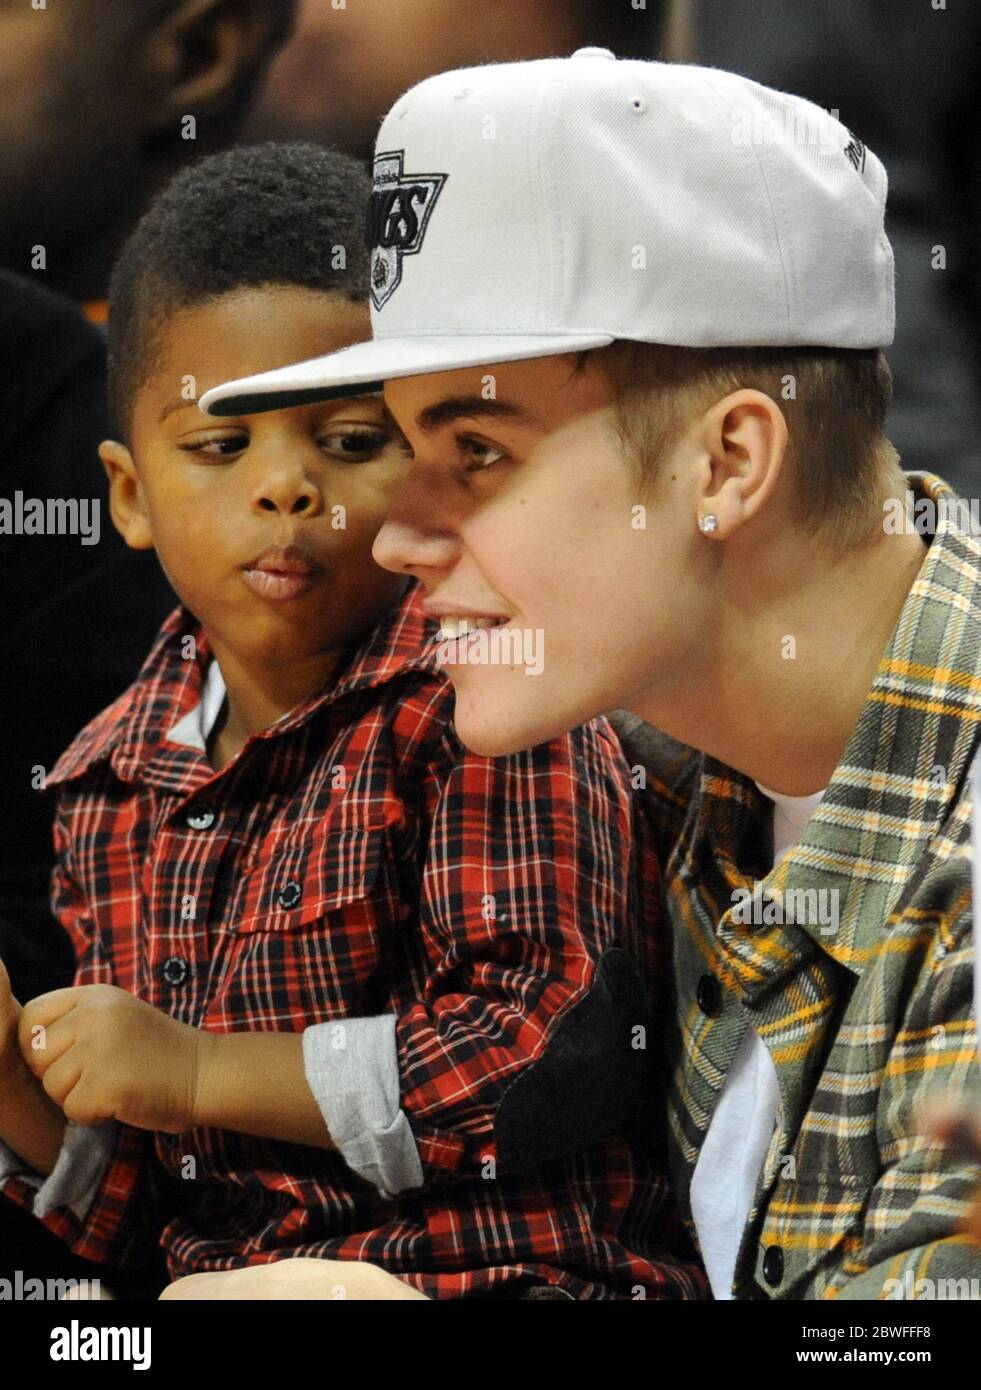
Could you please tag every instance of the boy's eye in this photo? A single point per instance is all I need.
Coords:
(218, 446)
(355, 446)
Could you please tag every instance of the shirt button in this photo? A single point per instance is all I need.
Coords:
(709, 996)
(773, 1266)
(290, 894)
(200, 818)
(175, 970)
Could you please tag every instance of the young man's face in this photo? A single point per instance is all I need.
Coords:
(263, 523)
(524, 508)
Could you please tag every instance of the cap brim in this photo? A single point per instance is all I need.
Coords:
(365, 367)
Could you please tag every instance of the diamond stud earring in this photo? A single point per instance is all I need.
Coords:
(707, 523)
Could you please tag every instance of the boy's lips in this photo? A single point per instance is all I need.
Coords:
(282, 572)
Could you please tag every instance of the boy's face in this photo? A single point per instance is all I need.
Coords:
(263, 523)
(525, 508)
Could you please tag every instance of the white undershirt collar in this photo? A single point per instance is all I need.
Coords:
(193, 729)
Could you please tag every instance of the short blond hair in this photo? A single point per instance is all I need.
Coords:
(835, 402)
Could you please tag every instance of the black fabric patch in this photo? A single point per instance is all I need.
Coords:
(589, 1082)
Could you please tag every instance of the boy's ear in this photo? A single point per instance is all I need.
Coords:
(127, 502)
(206, 57)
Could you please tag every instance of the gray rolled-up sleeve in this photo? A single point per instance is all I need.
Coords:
(75, 1178)
(351, 1067)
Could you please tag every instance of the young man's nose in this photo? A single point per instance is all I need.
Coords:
(408, 548)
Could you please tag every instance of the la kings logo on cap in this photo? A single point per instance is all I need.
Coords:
(398, 214)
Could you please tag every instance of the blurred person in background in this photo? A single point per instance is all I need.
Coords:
(903, 77)
(95, 98)
(344, 68)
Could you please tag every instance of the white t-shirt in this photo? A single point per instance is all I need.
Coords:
(728, 1168)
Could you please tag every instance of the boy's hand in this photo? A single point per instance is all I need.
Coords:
(103, 1054)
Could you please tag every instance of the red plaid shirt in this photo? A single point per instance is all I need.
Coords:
(354, 860)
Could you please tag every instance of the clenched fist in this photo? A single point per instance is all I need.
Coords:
(103, 1054)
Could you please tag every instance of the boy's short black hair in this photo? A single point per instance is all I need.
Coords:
(270, 214)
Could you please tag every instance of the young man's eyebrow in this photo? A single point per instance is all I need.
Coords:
(444, 412)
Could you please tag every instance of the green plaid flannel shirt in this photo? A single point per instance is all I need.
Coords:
(863, 1017)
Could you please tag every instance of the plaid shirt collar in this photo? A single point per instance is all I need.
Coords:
(132, 733)
(907, 758)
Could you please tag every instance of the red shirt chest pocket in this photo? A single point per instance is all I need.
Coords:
(303, 885)
(312, 936)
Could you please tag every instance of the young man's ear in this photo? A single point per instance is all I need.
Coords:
(743, 439)
(127, 503)
(206, 58)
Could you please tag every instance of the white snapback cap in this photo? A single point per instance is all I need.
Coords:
(527, 209)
